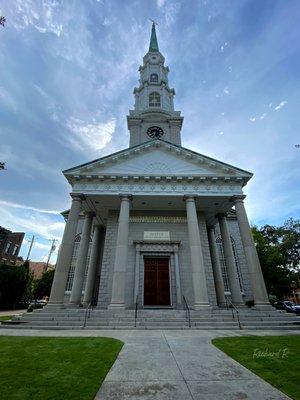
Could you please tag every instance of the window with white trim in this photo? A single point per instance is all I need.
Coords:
(8, 247)
(16, 249)
(73, 264)
(223, 264)
(154, 99)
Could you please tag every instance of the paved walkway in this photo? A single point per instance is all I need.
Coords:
(12, 312)
(165, 365)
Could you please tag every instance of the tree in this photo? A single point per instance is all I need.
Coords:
(278, 250)
(42, 286)
(15, 284)
(2, 20)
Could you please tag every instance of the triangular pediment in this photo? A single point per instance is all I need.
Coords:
(158, 158)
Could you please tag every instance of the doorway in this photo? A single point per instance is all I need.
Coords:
(156, 281)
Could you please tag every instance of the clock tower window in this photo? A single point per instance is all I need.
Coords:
(154, 99)
(154, 78)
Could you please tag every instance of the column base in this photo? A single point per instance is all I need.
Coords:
(239, 305)
(54, 305)
(74, 305)
(116, 306)
(263, 306)
(202, 306)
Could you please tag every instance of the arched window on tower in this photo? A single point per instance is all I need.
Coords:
(73, 264)
(223, 264)
(154, 99)
(153, 78)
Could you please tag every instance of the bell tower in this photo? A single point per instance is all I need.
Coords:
(153, 115)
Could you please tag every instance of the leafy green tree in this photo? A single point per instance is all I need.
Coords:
(278, 249)
(42, 287)
(15, 283)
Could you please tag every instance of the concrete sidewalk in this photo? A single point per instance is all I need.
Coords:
(12, 312)
(180, 365)
(165, 365)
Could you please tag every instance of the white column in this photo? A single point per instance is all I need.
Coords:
(236, 295)
(92, 268)
(76, 292)
(217, 271)
(258, 284)
(65, 254)
(137, 272)
(177, 277)
(119, 274)
(198, 272)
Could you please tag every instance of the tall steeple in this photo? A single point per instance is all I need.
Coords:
(153, 40)
(153, 115)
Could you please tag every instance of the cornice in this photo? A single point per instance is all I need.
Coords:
(155, 178)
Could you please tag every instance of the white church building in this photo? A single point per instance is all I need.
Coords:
(157, 225)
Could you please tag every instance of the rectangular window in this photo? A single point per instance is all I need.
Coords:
(8, 247)
(16, 249)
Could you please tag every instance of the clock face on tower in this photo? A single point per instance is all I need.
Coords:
(155, 132)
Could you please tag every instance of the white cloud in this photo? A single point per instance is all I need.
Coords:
(7, 99)
(47, 227)
(29, 208)
(42, 246)
(221, 133)
(280, 105)
(44, 17)
(94, 136)
(252, 119)
(223, 46)
(263, 116)
(160, 3)
(226, 90)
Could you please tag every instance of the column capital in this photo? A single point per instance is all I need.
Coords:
(211, 227)
(77, 196)
(238, 198)
(190, 197)
(221, 215)
(89, 214)
(97, 226)
(125, 196)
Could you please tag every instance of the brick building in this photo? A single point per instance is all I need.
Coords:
(10, 244)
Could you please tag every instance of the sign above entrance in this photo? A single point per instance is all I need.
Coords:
(156, 235)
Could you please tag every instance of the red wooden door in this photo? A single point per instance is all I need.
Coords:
(156, 282)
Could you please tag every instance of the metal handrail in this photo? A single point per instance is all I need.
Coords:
(136, 310)
(187, 311)
(233, 308)
(87, 313)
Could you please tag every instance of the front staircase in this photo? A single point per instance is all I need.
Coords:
(81, 318)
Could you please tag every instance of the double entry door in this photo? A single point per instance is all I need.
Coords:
(156, 281)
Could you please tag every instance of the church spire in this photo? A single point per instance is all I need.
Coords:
(153, 40)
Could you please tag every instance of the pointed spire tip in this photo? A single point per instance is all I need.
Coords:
(153, 40)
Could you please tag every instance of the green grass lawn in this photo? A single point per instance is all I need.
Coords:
(5, 317)
(44, 368)
(276, 359)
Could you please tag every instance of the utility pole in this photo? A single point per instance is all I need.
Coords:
(52, 249)
(30, 247)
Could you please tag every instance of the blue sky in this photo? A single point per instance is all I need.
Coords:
(68, 69)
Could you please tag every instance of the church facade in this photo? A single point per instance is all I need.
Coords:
(157, 225)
